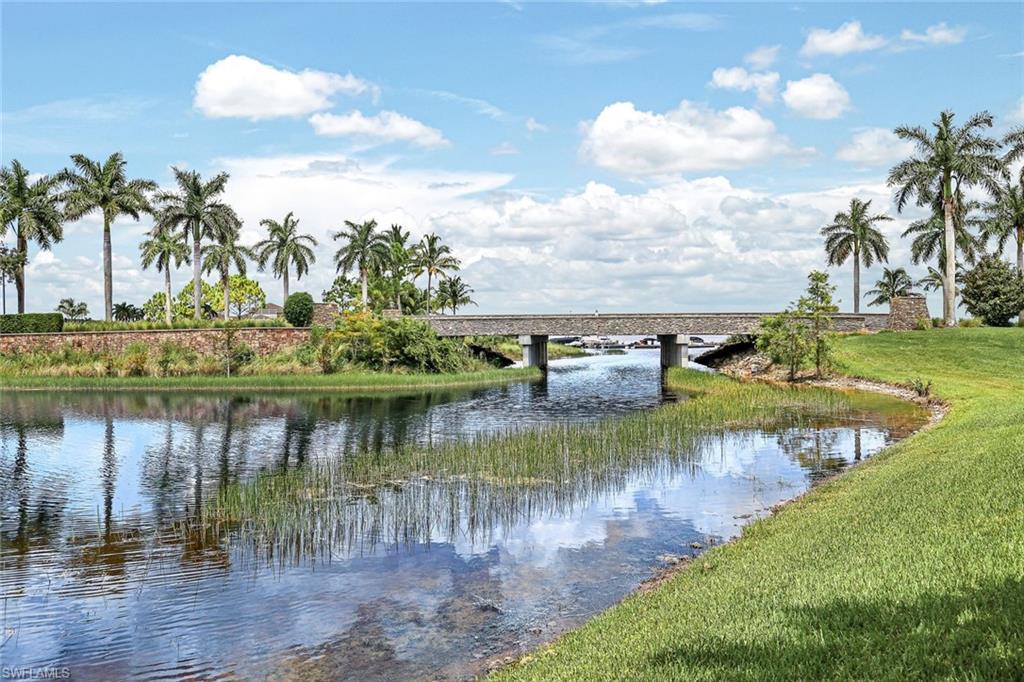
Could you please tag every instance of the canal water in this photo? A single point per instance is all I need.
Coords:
(103, 576)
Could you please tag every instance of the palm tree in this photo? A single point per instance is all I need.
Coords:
(894, 283)
(398, 261)
(127, 312)
(1004, 218)
(72, 309)
(219, 256)
(433, 258)
(285, 247)
(365, 249)
(31, 210)
(196, 210)
(106, 188)
(453, 293)
(946, 163)
(1014, 140)
(854, 234)
(167, 249)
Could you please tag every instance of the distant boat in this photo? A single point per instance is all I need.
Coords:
(601, 342)
(647, 342)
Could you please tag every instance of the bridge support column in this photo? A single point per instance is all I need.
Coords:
(674, 350)
(535, 350)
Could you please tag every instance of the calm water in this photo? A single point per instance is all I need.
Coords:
(423, 579)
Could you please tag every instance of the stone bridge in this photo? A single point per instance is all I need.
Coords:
(672, 329)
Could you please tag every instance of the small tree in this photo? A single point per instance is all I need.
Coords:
(786, 339)
(298, 309)
(817, 306)
(993, 291)
(246, 296)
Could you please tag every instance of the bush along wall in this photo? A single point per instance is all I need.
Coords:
(31, 323)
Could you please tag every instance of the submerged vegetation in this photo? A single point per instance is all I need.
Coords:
(470, 486)
(908, 566)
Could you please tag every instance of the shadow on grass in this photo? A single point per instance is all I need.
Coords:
(975, 635)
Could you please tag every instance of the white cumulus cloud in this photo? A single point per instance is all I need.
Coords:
(818, 96)
(846, 39)
(534, 126)
(242, 87)
(738, 78)
(939, 34)
(875, 147)
(762, 57)
(688, 138)
(387, 126)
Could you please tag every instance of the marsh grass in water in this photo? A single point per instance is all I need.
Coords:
(470, 487)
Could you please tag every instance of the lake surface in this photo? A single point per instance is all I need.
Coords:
(421, 578)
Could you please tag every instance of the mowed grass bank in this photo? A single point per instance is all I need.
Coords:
(339, 381)
(910, 566)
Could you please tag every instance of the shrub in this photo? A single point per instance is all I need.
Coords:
(31, 323)
(938, 322)
(298, 309)
(364, 339)
(969, 322)
(993, 291)
(922, 324)
(136, 357)
(921, 387)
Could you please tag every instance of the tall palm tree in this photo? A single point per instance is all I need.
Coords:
(854, 234)
(106, 188)
(398, 261)
(285, 247)
(220, 256)
(364, 250)
(31, 210)
(945, 164)
(198, 212)
(453, 293)
(893, 283)
(1014, 141)
(168, 250)
(433, 258)
(1004, 219)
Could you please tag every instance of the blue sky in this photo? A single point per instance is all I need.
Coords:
(576, 157)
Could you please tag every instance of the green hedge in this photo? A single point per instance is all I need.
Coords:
(31, 323)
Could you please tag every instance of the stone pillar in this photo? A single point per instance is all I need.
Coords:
(905, 312)
(674, 350)
(535, 350)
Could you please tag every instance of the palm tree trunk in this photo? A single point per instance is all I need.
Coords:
(225, 282)
(285, 280)
(108, 277)
(364, 276)
(167, 291)
(949, 287)
(428, 293)
(1020, 262)
(197, 289)
(856, 279)
(19, 274)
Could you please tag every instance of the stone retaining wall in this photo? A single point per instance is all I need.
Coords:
(263, 340)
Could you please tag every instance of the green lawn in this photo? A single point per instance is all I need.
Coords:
(342, 381)
(910, 566)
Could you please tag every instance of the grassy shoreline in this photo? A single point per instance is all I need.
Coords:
(910, 565)
(341, 381)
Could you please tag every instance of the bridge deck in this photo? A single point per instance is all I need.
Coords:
(627, 324)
